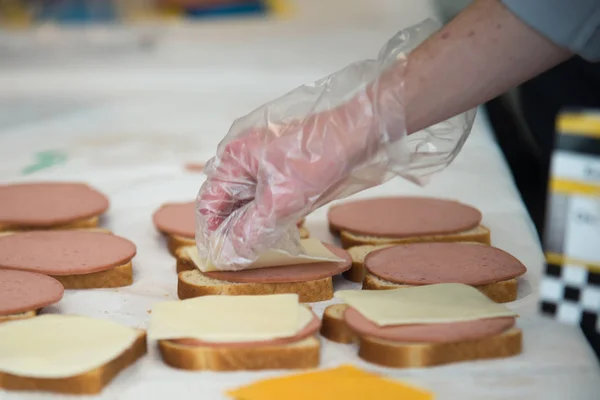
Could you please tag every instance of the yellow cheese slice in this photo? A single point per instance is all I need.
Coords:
(314, 249)
(59, 346)
(446, 302)
(344, 383)
(229, 318)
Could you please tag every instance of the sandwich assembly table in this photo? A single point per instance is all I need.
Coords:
(126, 115)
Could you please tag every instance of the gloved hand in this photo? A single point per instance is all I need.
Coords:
(340, 135)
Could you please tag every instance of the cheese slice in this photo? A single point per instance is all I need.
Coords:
(446, 302)
(314, 249)
(60, 346)
(345, 382)
(229, 318)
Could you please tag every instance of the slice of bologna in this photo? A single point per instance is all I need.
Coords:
(428, 333)
(310, 329)
(41, 205)
(176, 219)
(288, 273)
(64, 252)
(22, 291)
(431, 263)
(400, 217)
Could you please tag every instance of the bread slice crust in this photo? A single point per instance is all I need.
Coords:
(89, 222)
(479, 234)
(333, 326)
(417, 355)
(18, 316)
(193, 283)
(174, 242)
(298, 355)
(90, 382)
(119, 276)
(500, 292)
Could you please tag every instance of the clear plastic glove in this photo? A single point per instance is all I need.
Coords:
(320, 142)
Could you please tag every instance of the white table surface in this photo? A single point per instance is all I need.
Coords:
(127, 119)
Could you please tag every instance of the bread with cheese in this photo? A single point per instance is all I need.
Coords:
(91, 382)
(416, 355)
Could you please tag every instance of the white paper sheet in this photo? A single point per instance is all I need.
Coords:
(137, 117)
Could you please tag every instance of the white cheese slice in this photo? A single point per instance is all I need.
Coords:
(315, 252)
(447, 302)
(60, 346)
(229, 318)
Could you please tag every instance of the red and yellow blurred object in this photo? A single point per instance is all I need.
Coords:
(25, 13)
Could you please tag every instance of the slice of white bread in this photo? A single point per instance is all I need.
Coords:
(90, 382)
(194, 283)
(479, 234)
(84, 223)
(500, 292)
(297, 355)
(414, 355)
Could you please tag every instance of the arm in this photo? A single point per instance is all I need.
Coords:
(482, 53)
(284, 160)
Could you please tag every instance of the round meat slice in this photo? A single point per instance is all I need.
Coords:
(64, 252)
(400, 217)
(431, 263)
(22, 291)
(428, 333)
(41, 205)
(289, 273)
(176, 219)
(310, 329)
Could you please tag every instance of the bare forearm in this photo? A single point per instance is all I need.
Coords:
(482, 53)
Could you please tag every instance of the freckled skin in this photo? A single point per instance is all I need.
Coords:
(482, 53)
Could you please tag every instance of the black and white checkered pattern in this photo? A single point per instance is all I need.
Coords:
(571, 294)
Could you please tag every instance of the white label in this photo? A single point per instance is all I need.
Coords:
(582, 231)
(579, 167)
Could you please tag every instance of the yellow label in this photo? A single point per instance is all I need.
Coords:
(574, 187)
(344, 383)
(579, 125)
